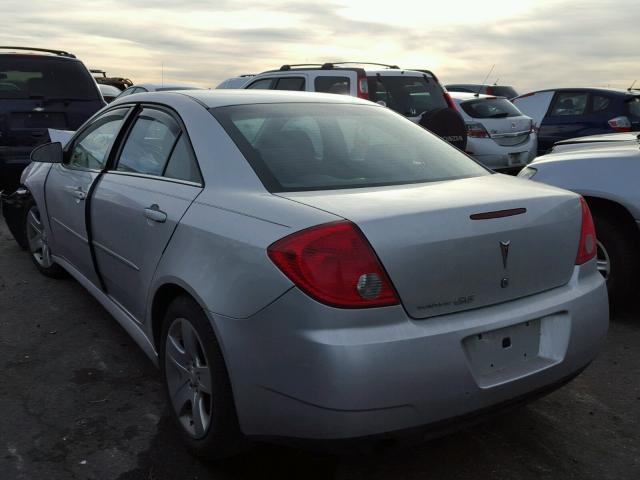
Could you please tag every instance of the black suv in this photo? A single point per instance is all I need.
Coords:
(39, 89)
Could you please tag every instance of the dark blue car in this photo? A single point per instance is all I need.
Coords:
(39, 89)
(564, 113)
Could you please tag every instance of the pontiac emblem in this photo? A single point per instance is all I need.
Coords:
(504, 248)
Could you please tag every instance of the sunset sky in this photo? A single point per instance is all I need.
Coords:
(533, 44)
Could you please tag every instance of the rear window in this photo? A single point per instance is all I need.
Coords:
(294, 147)
(490, 108)
(37, 77)
(634, 106)
(340, 85)
(410, 96)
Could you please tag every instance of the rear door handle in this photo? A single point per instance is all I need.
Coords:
(154, 213)
(77, 193)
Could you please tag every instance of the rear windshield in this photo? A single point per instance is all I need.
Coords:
(302, 146)
(45, 78)
(634, 106)
(410, 96)
(490, 108)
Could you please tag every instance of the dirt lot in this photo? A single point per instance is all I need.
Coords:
(79, 400)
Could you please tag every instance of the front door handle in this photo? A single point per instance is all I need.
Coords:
(77, 192)
(154, 213)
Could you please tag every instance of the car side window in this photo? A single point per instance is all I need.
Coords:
(149, 143)
(182, 163)
(91, 148)
(600, 103)
(569, 103)
(290, 83)
(339, 85)
(264, 84)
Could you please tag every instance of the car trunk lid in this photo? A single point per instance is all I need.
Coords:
(463, 244)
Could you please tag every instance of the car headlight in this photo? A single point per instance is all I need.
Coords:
(527, 172)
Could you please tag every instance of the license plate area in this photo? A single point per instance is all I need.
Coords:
(517, 158)
(505, 354)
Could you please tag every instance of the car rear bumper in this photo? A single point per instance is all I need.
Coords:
(303, 370)
(495, 156)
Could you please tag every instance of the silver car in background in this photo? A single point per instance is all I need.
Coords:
(315, 266)
(604, 169)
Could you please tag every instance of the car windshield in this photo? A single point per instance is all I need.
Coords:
(490, 108)
(409, 96)
(307, 146)
(30, 76)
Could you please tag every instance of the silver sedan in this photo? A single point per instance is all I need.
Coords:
(314, 266)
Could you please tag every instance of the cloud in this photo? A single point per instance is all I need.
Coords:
(203, 42)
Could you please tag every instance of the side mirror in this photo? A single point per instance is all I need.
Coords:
(47, 153)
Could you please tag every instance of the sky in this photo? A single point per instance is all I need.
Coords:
(533, 44)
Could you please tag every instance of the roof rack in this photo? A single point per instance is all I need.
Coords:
(331, 65)
(326, 66)
(395, 67)
(60, 53)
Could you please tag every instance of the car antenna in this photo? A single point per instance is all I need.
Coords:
(477, 94)
(496, 82)
(631, 87)
(162, 74)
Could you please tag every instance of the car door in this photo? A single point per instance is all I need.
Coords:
(567, 118)
(138, 203)
(68, 186)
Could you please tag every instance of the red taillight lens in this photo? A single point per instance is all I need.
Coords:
(477, 130)
(587, 248)
(334, 264)
(620, 124)
(449, 100)
(363, 86)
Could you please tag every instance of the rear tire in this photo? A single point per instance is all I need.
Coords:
(618, 257)
(37, 242)
(196, 381)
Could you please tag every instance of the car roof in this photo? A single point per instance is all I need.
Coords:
(223, 97)
(470, 96)
(617, 91)
(36, 52)
(155, 86)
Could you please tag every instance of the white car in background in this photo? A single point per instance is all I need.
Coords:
(498, 134)
(236, 82)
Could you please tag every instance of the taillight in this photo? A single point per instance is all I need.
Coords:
(477, 130)
(620, 124)
(587, 247)
(449, 100)
(334, 264)
(363, 86)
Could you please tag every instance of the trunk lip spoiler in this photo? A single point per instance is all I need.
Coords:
(498, 214)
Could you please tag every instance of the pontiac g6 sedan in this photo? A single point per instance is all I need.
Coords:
(315, 266)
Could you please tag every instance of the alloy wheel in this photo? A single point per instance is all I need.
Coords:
(603, 261)
(37, 238)
(188, 378)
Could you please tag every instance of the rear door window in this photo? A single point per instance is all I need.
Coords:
(600, 103)
(290, 83)
(410, 96)
(41, 77)
(182, 163)
(149, 143)
(326, 84)
(569, 103)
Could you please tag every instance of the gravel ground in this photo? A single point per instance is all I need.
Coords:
(78, 400)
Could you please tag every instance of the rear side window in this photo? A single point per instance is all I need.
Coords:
(340, 85)
(569, 103)
(149, 143)
(290, 83)
(490, 108)
(36, 77)
(182, 164)
(634, 106)
(410, 96)
(302, 146)
(264, 84)
(600, 103)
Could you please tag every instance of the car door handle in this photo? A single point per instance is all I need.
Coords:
(154, 213)
(77, 193)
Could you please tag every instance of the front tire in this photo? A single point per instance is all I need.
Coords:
(618, 258)
(38, 244)
(196, 381)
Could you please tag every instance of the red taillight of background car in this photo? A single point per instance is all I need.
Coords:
(334, 264)
(363, 86)
(449, 100)
(620, 124)
(477, 130)
(587, 248)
